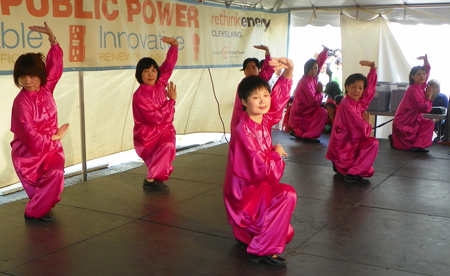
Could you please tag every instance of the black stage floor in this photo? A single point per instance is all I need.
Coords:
(397, 225)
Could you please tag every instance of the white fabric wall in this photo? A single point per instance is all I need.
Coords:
(373, 41)
(109, 118)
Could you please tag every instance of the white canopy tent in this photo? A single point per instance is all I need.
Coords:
(109, 120)
(325, 12)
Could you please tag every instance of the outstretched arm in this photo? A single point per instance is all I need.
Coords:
(426, 64)
(282, 90)
(168, 65)
(369, 92)
(54, 60)
(322, 56)
(266, 70)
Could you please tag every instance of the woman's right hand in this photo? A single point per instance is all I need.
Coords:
(61, 132)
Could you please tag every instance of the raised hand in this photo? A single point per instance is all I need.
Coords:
(371, 64)
(423, 57)
(169, 40)
(263, 47)
(45, 30)
(425, 60)
(283, 63)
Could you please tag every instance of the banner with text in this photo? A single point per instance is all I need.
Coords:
(115, 34)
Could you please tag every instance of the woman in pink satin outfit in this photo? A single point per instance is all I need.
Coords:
(251, 67)
(37, 152)
(153, 111)
(410, 131)
(259, 207)
(351, 149)
(307, 118)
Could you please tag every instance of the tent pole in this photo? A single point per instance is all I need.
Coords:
(82, 127)
(387, 6)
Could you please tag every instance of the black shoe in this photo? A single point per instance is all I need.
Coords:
(46, 218)
(356, 179)
(155, 185)
(270, 260)
(335, 169)
(292, 133)
(314, 141)
(390, 141)
(241, 243)
(419, 150)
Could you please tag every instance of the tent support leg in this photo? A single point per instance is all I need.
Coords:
(82, 127)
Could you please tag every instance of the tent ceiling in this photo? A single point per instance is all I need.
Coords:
(324, 12)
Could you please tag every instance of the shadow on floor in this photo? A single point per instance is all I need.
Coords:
(396, 225)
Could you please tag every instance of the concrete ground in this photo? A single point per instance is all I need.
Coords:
(396, 225)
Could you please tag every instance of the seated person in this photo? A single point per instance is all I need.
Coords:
(438, 99)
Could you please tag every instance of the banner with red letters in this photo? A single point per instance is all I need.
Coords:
(115, 34)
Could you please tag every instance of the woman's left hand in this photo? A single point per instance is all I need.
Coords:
(45, 30)
(429, 92)
(170, 40)
(279, 149)
(371, 64)
(425, 57)
(262, 47)
(172, 91)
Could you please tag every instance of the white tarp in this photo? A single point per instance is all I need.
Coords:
(372, 41)
(408, 15)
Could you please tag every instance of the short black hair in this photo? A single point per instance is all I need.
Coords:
(30, 64)
(414, 70)
(355, 77)
(250, 84)
(247, 60)
(309, 65)
(332, 89)
(143, 64)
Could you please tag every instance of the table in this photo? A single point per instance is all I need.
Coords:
(439, 117)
